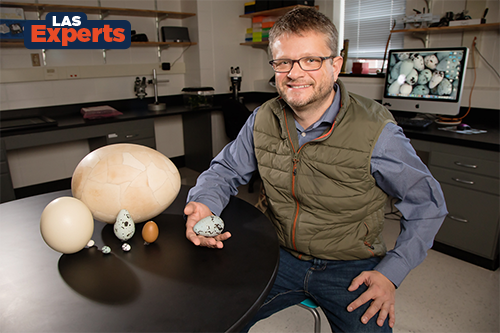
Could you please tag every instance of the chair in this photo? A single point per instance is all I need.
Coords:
(311, 305)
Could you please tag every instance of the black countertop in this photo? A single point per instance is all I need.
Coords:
(69, 116)
(486, 141)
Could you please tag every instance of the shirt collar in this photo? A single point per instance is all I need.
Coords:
(330, 114)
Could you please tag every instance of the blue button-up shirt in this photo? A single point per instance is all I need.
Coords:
(397, 169)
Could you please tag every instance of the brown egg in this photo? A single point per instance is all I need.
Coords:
(150, 232)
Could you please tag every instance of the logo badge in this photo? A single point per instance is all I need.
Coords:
(74, 31)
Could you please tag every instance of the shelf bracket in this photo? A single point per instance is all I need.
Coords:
(162, 17)
(161, 48)
(104, 14)
(104, 53)
(44, 57)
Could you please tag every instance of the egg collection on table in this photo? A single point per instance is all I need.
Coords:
(119, 184)
(124, 229)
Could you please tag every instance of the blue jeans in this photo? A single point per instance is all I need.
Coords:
(326, 282)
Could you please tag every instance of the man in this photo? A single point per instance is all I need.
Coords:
(328, 160)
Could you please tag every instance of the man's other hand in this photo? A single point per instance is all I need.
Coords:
(383, 293)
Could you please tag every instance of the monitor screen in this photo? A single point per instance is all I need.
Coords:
(427, 80)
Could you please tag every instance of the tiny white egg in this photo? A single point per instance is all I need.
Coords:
(126, 247)
(209, 226)
(106, 249)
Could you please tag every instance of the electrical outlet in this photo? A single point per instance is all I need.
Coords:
(50, 73)
(35, 59)
(73, 72)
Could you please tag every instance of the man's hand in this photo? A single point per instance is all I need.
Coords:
(381, 290)
(195, 211)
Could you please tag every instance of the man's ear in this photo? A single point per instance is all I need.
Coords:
(337, 66)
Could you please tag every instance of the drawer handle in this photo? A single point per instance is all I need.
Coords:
(468, 182)
(129, 136)
(470, 166)
(458, 219)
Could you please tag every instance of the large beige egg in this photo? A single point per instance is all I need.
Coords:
(126, 176)
(66, 225)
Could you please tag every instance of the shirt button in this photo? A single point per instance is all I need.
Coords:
(303, 134)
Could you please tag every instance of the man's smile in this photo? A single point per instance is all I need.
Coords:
(298, 86)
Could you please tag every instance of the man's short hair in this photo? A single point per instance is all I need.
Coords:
(305, 19)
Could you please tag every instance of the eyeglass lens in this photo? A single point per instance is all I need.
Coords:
(306, 64)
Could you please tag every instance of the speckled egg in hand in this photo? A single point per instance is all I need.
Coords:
(209, 226)
(124, 226)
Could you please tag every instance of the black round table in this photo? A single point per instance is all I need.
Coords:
(168, 286)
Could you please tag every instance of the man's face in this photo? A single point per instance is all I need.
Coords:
(301, 89)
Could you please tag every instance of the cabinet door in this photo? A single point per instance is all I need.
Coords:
(473, 221)
(6, 188)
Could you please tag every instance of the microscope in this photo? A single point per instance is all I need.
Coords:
(235, 75)
(140, 91)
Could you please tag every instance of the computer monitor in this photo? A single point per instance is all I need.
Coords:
(427, 80)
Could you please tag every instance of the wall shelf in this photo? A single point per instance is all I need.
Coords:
(103, 12)
(261, 45)
(274, 12)
(20, 43)
(486, 26)
(38, 7)
(423, 33)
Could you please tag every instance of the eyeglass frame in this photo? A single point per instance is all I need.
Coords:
(298, 62)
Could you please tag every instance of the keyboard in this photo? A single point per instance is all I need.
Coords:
(413, 122)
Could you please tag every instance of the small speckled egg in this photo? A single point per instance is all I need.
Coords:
(209, 226)
(106, 249)
(124, 226)
(150, 232)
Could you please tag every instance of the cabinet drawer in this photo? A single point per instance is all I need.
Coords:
(466, 164)
(466, 180)
(132, 131)
(472, 223)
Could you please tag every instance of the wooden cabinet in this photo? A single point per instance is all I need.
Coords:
(470, 181)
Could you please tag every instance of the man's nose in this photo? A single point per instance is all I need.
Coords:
(296, 70)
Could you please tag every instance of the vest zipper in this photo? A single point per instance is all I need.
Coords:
(294, 228)
(294, 174)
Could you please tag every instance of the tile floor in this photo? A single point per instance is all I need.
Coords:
(443, 294)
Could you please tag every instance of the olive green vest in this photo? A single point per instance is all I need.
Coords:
(321, 197)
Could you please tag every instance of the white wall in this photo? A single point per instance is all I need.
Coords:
(58, 92)
(486, 91)
(218, 30)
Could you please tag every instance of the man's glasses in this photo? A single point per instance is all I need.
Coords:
(305, 63)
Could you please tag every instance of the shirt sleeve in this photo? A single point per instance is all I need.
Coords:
(400, 173)
(232, 167)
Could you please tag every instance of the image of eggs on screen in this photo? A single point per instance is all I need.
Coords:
(425, 75)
